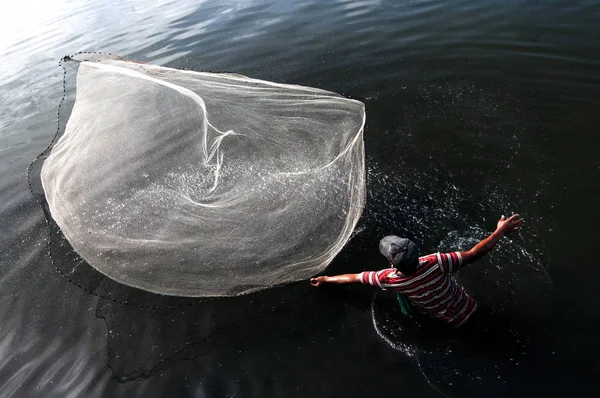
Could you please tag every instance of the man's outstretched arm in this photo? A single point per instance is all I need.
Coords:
(505, 226)
(338, 279)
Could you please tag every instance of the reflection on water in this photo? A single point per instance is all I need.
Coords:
(474, 109)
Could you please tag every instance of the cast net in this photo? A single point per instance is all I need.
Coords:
(201, 184)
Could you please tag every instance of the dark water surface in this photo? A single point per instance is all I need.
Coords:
(474, 109)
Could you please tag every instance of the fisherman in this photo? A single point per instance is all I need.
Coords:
(425, 281)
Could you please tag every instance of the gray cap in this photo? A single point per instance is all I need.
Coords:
(402, 252)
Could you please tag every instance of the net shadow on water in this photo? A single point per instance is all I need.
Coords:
(147, 332)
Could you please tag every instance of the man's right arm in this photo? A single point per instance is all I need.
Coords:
(505, 226)
(373, 278)
(337, 279)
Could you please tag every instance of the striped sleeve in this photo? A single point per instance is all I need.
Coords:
(374, 278)
(449, 262)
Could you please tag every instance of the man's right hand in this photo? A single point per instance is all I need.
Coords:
(318, 281)
(508, 225)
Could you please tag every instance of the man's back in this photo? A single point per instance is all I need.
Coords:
(430, 287)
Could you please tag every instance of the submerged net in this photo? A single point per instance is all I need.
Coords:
(201, 184)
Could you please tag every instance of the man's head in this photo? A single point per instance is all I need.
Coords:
(401, 252)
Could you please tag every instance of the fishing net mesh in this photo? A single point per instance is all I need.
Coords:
(200, 184)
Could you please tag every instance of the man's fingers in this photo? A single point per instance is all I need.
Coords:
(513, 217)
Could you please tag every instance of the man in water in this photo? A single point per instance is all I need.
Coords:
(426, 281)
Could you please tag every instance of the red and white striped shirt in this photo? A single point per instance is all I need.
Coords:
(430, 287)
